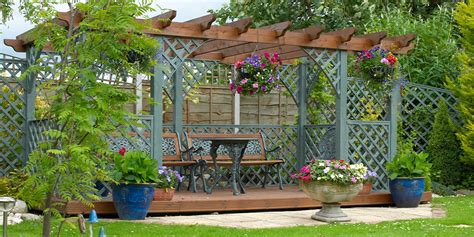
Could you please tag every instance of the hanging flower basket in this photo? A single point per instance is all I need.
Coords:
(256, 75)
(376, 67)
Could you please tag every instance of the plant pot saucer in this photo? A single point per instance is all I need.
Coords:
(331, 212)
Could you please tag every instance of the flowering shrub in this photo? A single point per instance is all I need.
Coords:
(168, 178)
(377, 66)
(370, 177)
(332, 171)
(256, 75)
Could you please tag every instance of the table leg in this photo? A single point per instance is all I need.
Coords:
(236, 153)
(217, 170)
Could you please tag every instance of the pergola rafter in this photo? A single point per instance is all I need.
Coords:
(235, 40)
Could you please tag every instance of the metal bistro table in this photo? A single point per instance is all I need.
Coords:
(236, 149)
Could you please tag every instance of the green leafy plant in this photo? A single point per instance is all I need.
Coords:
(11, 184)
(135, 167)
(408, 163)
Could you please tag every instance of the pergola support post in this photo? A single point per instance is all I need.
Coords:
(393, 118)
(157, 106)
(300, 152)
(178, 100)
(342, 136)
(30, 99)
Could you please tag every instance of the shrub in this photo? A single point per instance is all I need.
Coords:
(443, 148)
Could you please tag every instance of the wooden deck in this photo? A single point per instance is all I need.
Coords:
(223, 201)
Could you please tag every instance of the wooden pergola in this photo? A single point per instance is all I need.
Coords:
(197, 40)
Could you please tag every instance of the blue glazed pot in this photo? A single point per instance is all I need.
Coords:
(407, 192)
(132, 201)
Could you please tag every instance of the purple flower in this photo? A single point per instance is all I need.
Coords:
(264, 88)
(353, 179)
(278, 87)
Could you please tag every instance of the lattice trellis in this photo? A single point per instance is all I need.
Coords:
(173, 53)
(419, 104)
(321, 108)
(329, 62)
(283, 136)
(320, 142)
(288, 75)
(12, 113)
(369, 144)
(195, 72)
(362, 102)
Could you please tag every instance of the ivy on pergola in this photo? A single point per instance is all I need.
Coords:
(236, 40)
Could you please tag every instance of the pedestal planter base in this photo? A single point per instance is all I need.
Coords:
(331, 212)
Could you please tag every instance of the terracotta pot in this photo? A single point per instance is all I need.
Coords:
(163, 194)
(366, 189)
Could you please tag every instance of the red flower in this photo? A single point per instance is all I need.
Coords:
(122, 151)
(240, 89)
(341, 161)
(266, 54)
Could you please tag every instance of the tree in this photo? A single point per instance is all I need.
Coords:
(80, 109)
(443, 148)
(464, 87)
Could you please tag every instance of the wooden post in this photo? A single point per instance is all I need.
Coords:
(157, 106)
(178, 100)
(30, 99)
(393, 117)
(342, 136)
(300, 152)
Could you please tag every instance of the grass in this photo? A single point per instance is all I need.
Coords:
(460, 211)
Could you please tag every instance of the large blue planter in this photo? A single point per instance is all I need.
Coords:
(132, 201)
(407, 192)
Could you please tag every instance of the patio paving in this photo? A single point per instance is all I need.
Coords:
(369, 215)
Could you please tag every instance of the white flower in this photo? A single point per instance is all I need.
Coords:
(322, 164)
(319, 178)
(326, 170)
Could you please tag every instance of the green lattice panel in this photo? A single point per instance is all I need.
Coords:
(288, 75)
(329, 62)
(174, 52)
(320, 142)
(369, 144)
(195, 73)
(360, 100)
(419, 104)
(283, 136)
(320, 111)
(12, 113)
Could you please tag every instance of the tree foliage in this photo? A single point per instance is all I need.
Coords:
(443, 149)
(82, 110)
(464, 87)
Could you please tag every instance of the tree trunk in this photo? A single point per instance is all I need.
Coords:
(47, 215)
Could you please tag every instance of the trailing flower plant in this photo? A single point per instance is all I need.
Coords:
(370, 177)
(168, 178)
(332, 171)
(377, 67)
(256, 75)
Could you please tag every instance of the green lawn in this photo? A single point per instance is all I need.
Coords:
(460, 212)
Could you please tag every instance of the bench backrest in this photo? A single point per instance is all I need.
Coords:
(255, 148)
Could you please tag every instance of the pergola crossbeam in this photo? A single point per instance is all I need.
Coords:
(204, 22)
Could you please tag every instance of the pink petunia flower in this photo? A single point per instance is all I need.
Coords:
(244, 81)
(240, 89)
(255, 85)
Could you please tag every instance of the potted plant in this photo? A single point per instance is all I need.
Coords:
(135, 173)
(369, 179)
(256, 75)
(377, 67)
(407, 173)
(331, 182)
(166, 182)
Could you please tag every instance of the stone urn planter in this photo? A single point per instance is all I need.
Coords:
(330, 195)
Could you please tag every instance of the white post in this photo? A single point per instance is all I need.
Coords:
(139, 93)
(236, 111)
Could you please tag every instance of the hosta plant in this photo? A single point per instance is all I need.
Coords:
(134, 167)
(408, 163)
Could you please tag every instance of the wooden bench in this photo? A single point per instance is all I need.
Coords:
(256, 153)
